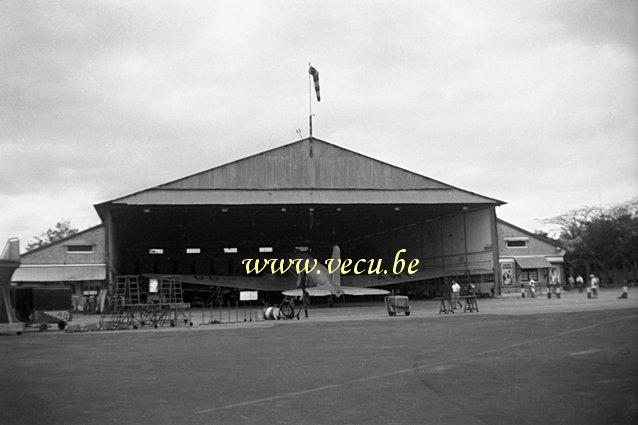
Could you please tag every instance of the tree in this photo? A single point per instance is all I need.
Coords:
(545, 235)
(61, 230)
(601, 239)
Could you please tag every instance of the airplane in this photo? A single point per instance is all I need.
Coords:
(319, 282)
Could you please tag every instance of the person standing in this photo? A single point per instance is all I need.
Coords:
(305, 296)
(456, 291)
(580, 283)
(593, 284)
(305, 301)
(553, 279)
(570, 282)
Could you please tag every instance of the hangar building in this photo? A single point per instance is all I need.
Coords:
(309, 193)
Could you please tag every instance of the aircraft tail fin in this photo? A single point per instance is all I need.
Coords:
(11, 251)
(9, 261)
(335, 278)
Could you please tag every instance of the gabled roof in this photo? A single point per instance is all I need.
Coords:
(60, 241)
(543, 238)
(295, 170)
(306, 164)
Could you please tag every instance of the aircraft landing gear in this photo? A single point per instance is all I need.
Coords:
(287, 308)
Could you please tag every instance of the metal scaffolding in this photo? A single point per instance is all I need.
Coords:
(126, 309)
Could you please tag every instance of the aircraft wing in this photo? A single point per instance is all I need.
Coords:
(351, 290)
(254, 283)
(347, 290)
(313, 292)
(367, 281)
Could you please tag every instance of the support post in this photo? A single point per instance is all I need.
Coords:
(495, 253)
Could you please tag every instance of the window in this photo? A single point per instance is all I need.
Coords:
(527, 274)
(517, 244)
(193, 250)
(85, 249)
(90, 288)
(156, 251)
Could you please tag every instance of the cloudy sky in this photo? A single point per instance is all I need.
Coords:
(533, 103)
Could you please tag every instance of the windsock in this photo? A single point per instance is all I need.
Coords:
(315, 76)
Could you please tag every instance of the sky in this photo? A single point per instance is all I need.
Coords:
(532, 103)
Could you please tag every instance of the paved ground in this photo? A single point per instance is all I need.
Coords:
(508, 304)
(518, 361)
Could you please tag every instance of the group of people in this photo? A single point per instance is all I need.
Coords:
(455, 292)
(579, 283)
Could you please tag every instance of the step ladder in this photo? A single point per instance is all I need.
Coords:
(121, 314)
(171, 308)
(170, 290)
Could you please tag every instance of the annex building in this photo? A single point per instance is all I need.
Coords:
(78, 261)
(525, 255)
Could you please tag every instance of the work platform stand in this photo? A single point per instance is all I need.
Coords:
(126, 309)
(123, 305)
(448, 304)
(168, 307)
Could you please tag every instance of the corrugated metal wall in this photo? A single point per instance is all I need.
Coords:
(440, 244)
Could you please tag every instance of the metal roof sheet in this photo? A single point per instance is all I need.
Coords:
(307, 164)
(54, 273)
(533, 262)
(301, 196)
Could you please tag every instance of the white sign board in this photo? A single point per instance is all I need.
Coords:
(152, 285)
(248, 295)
